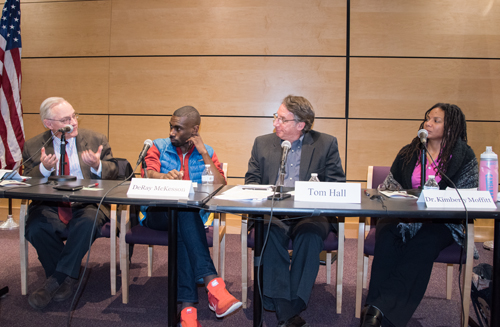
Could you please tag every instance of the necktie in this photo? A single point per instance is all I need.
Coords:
(64, 208)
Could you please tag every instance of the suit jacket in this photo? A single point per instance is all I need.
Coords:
(320, 154)
(85, 140)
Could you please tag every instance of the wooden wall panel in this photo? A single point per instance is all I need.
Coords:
(33, 125)
(375, 143)
(423, 28)
(482, 134)
(82, 81)
(406, 88)
(53, 29)
(227, 27)
(231, 137)
(234, 86)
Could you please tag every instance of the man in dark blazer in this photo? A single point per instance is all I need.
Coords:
(288, 286)
(89, 157)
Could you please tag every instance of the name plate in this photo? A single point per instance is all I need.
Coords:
(449, 199)
(328, 192)
(160, 188)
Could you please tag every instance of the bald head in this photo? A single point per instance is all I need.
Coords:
(190, 112)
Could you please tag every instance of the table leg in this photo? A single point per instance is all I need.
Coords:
(495, 301)
(172, 268)
(257, 303)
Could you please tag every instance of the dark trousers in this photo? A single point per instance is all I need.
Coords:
(292, 281)
(193, 256)
(44, 231)
(401, 270)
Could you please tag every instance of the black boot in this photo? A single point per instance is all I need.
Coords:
(371, 317)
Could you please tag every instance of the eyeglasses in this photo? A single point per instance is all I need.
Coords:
(66, 120)
(281, 119)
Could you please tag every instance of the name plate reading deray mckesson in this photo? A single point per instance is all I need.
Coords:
(160, 188)
(328, 192)
(449, 199)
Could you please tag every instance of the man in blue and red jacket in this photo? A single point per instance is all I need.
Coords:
(183, 156)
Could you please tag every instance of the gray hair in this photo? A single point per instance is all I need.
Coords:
(47, 105)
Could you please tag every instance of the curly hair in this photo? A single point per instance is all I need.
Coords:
(455, 128)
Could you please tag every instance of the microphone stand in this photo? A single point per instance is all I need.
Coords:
(145, 168)
(423, 166)
(62, 161)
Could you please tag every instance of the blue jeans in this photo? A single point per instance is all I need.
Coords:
(193, 257)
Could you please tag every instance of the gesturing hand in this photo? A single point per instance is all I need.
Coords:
(92, 159)
(49, 161)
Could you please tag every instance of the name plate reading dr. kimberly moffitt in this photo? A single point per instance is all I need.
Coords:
(328, 192)
(160, 188)
(449, 199)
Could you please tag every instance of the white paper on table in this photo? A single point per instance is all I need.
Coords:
(246, 193)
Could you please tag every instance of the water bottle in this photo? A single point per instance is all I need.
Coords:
(314, 177)
(431, 183)
(207, 177)
(488, 172)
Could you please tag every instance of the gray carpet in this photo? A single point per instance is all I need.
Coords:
(148, 305)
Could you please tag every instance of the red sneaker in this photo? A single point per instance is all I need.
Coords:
(189, 317)
(219, 299)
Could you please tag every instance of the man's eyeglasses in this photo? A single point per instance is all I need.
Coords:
(281, 119)
(66, 120)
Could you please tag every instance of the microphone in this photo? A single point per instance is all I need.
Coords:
(147, 144)
(285, 147)
(422, 134)
(66, 129)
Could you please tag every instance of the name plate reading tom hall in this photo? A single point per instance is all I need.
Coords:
(449, 199)
(328, 192)
(160, 188)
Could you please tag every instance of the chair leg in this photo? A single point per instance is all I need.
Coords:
(340, 263)
(150, 260)
(244, 263)
(124, 254)
(467, 279)
(365, 271)
(112, 249)
(449, 280)
(360, 266)
(216, 244)
(222, 261)
(328, 267)
(23, 247)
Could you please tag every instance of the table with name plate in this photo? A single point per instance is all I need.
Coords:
(370, 206)
(115, 192)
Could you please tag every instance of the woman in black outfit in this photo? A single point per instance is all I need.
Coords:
(405, 250)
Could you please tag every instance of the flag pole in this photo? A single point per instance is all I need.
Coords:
(9, 223)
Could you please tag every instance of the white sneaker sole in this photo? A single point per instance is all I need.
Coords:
(231, 309)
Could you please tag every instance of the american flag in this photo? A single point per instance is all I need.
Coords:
(11, 121)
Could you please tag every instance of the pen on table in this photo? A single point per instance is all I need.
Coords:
(93, 185)
(254, 189)
(366, 193)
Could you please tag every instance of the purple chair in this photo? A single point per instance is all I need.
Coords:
(142, 235)
(105, 232)
(331, 244)
(124, 171)
(451, 255)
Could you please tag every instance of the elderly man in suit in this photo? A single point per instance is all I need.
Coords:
(288, 286)
(88, 156)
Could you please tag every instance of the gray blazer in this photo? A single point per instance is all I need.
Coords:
(320, 154)
(85, 140)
